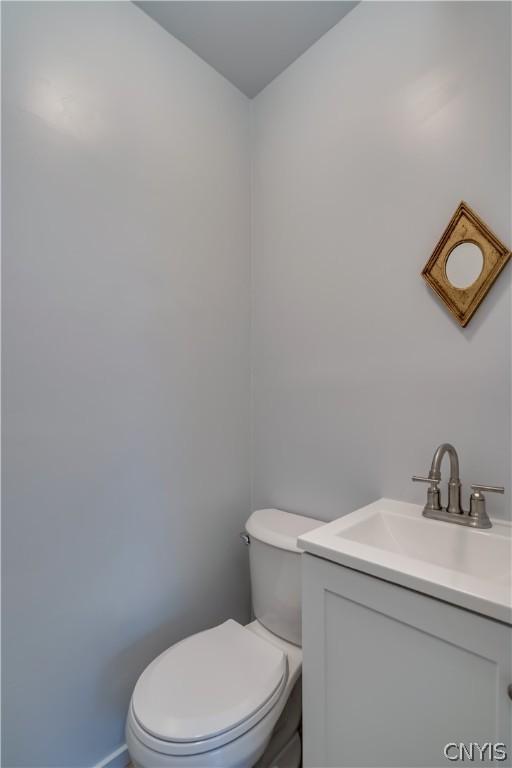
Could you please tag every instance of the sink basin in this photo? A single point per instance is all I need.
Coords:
(485, 557)
(393, 541)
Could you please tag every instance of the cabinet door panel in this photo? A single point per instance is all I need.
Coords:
(392, 676)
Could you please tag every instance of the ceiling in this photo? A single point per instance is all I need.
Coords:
(248, 41)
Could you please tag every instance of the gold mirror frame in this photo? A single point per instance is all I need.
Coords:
(465, 226)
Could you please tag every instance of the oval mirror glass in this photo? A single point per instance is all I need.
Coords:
(464, 265)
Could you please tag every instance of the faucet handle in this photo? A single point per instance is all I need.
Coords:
(433, 493)
(488, 488)
(477, 511)
(421, 479)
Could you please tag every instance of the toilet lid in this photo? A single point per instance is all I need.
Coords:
(208, 683)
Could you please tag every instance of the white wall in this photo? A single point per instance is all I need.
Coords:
(126, 365)
(126, 321)
(363, 149)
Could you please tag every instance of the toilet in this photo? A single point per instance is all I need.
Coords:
(231, 696)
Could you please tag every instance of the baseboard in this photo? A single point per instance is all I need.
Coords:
(117, 759)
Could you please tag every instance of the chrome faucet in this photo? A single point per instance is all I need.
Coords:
(477, 516)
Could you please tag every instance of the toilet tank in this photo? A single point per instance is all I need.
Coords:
(274, 559)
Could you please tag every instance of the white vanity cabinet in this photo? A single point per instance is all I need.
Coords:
(391, 676)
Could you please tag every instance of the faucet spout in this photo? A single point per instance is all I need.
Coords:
(454, 482)
(435, 469)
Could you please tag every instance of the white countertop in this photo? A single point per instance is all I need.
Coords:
(392, 540)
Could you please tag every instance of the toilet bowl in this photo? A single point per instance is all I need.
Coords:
(224, 733)
(230, 696)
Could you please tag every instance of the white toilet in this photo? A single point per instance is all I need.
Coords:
(231, 696)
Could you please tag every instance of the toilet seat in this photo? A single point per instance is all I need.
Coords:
(207, 690)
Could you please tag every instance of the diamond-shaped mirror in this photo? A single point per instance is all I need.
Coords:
(465, 263)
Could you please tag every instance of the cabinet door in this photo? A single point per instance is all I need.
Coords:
(391, 676)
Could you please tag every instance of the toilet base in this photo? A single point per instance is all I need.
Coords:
(291, 755)
(284, 748)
